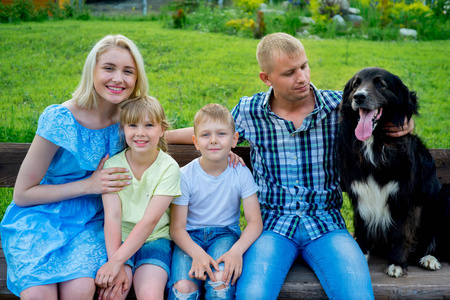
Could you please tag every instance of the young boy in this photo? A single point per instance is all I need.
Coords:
(205, 219)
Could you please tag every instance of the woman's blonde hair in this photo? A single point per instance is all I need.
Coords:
(85, 94)
(277, 43)
(214, 112)
(134, 110)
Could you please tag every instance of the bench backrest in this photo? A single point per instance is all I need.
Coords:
(12, 155)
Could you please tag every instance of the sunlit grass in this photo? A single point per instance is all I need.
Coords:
(41, 64)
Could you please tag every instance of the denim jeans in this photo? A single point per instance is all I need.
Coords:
(335, 258)
(157, 252)
(215, 241)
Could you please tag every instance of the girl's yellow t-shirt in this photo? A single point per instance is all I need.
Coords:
(161, 178)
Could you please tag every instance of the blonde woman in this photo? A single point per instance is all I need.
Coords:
(52, 231)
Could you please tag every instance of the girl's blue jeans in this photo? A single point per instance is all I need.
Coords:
(215, 241)
(335, 258)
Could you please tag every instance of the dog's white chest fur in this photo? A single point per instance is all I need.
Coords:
(372, 203)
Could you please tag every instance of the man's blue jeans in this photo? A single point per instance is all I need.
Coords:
(335, 258)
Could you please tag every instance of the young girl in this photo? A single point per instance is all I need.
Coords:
(137, 217)
(52, 231)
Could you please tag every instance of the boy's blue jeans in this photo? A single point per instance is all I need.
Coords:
(215, 241)
(335, 258)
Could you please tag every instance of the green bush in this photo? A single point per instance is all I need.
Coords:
(382, 19)
(25, 11)
(19, 10)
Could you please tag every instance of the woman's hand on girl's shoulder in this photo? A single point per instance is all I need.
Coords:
(110, 180)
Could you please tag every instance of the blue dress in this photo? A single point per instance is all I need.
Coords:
(61, 241)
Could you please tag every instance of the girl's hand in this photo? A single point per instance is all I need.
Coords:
(120, 284)
(107, 180)
(233, 266)
(235, 159)
(394, 131)
(107, 273)
(201, 263)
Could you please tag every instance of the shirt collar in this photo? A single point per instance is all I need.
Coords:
(318, 101)
(265, 102)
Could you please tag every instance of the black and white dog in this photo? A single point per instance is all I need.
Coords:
(398, 204)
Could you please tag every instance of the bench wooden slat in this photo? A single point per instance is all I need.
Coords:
(12, 155)
(442, 161)
(418, 284)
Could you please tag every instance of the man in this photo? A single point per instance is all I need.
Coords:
(291, 130)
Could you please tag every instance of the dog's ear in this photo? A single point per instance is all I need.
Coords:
(348, 88)
(346, 98)
(407, 99)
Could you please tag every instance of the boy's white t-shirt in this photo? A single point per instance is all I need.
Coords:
(214, 201)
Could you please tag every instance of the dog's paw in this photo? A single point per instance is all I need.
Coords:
(394, 271)
(430, 262)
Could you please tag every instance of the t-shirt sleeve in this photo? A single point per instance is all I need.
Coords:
(169, 184)
(114, 161)
(183, 199)
(248, 185)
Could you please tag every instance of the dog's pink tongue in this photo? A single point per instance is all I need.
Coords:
(364, 128)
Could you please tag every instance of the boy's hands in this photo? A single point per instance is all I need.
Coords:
(233, 265)
(201, 263)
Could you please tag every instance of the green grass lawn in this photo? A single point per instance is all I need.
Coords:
(41, 64)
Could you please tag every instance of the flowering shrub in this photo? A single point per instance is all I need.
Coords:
(410, 15)
(248, 5)
(321, 17)
(403, 14)
(244, 24)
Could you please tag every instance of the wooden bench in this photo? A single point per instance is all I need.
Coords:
(301, 282)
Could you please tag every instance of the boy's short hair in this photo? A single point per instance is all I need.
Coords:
(133, 110)
(277, 43)
(214, 112)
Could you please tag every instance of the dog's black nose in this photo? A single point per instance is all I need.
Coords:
(359, 97)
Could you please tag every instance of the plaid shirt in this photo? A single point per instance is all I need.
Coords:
(295, 170)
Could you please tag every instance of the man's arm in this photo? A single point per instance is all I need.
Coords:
(180, 136)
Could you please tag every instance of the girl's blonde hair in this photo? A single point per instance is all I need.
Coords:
(277, 43)
(85, 94)
(214, 112)
(134, 110)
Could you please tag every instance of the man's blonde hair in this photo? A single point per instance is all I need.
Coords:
(85, 95)
(214, 112)
(134, 110)
(276, 44)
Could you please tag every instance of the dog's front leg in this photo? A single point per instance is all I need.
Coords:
(402, 243)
